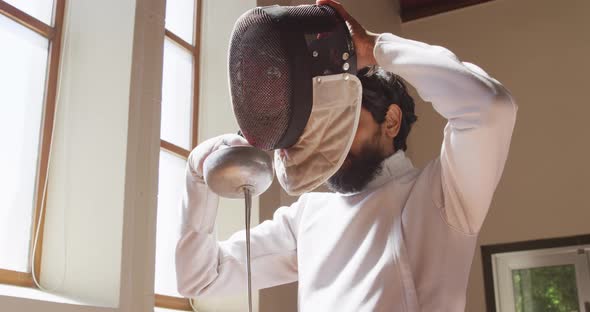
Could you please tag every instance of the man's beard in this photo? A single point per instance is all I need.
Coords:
(354, 176)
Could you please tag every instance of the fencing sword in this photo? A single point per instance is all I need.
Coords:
(240, 172)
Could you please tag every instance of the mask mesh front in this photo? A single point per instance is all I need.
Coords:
(262, 70)
(310, 12)
(260, 80)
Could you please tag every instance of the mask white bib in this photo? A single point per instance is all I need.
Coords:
(327, 137)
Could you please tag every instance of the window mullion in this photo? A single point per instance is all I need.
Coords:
(174, 149)
(175, 303)
(196, 73)
(16, 278)
(179, 41)
(47, 129)
(27, 20)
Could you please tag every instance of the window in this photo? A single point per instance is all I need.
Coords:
(30, 32)
(180, 93)
(548, 275)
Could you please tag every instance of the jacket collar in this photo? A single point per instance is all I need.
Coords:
(393, 168)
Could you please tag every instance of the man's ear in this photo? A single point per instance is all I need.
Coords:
(392, 122)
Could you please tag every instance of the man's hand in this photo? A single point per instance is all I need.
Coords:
(197, 157)
(364, 41)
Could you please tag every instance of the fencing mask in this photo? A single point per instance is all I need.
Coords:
(294, 89)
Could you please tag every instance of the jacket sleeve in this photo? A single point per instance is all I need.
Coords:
(481, 115)
(205, 266)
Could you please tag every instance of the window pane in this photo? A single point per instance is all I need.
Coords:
(170, 186)
(23, 61)
(39, 9)
(548, 289)
(179, 18)
(177, 95)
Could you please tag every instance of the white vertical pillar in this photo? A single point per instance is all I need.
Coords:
(138, 254)
(86, 186)
(99, 239)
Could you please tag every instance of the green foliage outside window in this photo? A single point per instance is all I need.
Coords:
(546, 289)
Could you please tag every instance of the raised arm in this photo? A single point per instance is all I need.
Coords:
(480, 112)
(205, 266)
(481, 115)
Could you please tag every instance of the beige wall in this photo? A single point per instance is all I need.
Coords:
(539, 49)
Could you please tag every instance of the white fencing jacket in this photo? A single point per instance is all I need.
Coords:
(406, 242)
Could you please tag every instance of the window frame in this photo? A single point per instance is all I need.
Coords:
(164, 301)
(544, 248)
(54, 36)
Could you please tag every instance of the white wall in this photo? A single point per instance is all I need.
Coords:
(216, 117)
(87, 170)
(539, 49)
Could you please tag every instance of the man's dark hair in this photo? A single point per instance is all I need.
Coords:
(381, 89)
